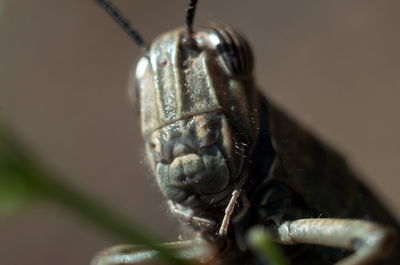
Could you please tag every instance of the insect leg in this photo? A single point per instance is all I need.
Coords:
(131, 254)
(223, 230)
(369, 241)
(187, 216)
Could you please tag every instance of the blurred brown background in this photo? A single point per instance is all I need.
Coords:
(334, 65)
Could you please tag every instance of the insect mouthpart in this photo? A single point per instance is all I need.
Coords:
(195, 161)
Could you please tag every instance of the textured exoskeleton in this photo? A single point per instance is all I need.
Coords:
(227, 159)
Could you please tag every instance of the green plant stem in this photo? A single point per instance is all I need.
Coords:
(16, 165)
(262, 243)
(105, 218)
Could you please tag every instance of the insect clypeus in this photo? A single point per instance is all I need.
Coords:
(227, 159)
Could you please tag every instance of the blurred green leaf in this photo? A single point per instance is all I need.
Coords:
(15, 195)
(23, 181)
(16, 192)
(262, 243)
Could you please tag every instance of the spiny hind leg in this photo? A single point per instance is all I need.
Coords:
(131, 254)
(369, 241)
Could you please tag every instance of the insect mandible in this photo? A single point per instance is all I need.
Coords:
(227, 159)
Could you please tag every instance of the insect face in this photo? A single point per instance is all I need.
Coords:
(203, 122)
(198, 114)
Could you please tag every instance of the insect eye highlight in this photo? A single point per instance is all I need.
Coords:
(233, 51)
(137, 81)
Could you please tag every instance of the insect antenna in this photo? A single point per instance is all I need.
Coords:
(123, 22)
(190, 12)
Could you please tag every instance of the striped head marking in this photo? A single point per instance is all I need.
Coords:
(198, 113)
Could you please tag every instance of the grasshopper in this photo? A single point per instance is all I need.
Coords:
(227, 159)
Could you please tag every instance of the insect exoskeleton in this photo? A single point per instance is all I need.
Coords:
(214, 142)
(199, 117)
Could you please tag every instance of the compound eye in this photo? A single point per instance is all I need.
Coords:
(138, 81)
(233, 51)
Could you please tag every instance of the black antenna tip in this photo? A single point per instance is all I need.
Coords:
(124, 23)
(190, 11)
